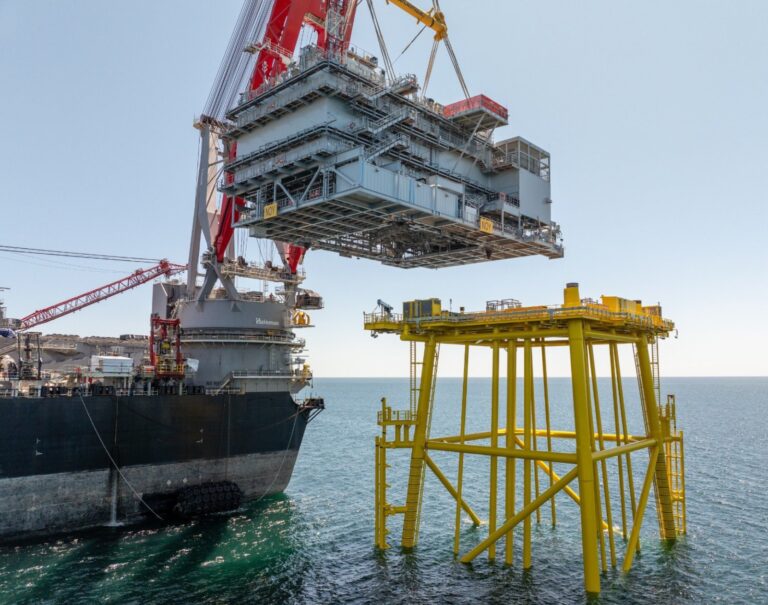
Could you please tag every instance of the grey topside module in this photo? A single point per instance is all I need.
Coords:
(332, 156)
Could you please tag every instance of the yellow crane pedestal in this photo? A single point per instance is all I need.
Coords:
(586, 462)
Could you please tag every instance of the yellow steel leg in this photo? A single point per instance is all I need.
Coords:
(378, 516)
(615, 399)
(625, 435)
(511, 463)
(603, 462)
(598, 502)
(380, 480)
(666, 512)
(545, 380)
(462, 432)
(534, 445)
(527, 410)
(682, 479)
(585, 466)
(416, 473)
(494, 443)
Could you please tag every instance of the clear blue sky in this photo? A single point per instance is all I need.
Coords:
(655, 114)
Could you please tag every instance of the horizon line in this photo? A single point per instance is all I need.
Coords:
(550, 376)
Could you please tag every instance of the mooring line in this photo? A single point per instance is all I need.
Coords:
(282, 462)
(112, 460)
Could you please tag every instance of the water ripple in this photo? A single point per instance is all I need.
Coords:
(314, 543)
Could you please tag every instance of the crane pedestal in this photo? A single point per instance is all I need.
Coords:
(532, 463)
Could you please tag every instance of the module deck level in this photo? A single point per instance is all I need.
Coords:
(333, 156)
(613, 316)
(584, 462)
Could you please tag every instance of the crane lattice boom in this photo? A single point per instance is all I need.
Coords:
(140, 276)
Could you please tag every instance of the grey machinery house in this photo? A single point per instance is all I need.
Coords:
(332, 156)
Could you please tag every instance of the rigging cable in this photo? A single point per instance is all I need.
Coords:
(237, 65)
(451, 54)
(112, 460)
(282, 462)
(407, 46)
(388, 66)
(20, 257)
(454, 60)
(430, 65)
(70, 254)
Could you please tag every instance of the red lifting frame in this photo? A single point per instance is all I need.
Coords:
(282, 33)
(161, 326)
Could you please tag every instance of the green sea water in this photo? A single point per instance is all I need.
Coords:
(314, 543)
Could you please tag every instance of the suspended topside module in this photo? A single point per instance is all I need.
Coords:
(334, 155)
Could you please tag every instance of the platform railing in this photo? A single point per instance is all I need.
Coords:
(552, 312)
(248, 338)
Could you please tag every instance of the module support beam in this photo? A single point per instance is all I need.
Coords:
(584, 454)
(586, 468)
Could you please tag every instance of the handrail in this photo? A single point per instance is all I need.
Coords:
(548, 313)
(247, 338)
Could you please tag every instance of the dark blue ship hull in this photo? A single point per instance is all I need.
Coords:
(68, 462)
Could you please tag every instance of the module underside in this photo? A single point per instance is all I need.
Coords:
(332, 157)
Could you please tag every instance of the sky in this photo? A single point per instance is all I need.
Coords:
(654, 114)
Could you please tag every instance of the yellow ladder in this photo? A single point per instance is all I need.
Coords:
(415, 372)
(674, 446)
(423, 420)
(668, 444)
(402, 423)
(654, 371)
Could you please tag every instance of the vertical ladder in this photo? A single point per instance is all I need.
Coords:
(415, 372)
(656, 384)
(415, 382)
(415, 490)
(675, 463)
(655, 369)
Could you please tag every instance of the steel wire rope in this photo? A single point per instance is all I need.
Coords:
(112, 460)
(456, 67)
(407, 46)
(233, 69)
(229, 62)
(282, 462)
(388, 66)
(430, 65)
(16, 256)
(71, 254)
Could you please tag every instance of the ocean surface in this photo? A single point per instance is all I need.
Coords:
(314, 543)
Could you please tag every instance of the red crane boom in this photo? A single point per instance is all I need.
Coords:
(138, 277)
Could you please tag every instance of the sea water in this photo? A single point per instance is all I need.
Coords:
(314, 543)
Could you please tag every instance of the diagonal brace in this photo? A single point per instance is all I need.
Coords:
(635, 535)
(451, 490)
(510, 524)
